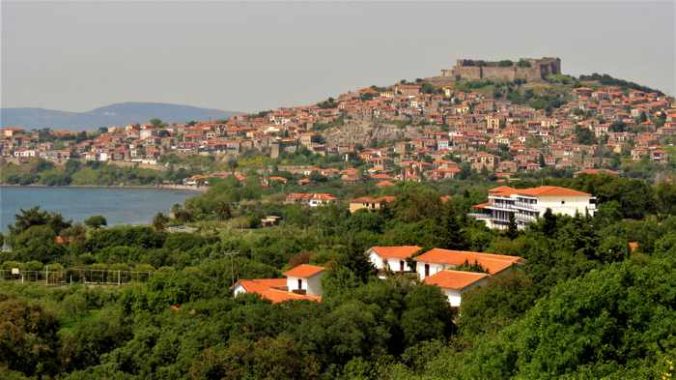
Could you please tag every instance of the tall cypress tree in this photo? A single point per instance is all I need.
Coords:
(512, 228)
(549, 224)
(452, 236)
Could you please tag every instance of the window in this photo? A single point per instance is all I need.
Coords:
(427, 270)
(300, 284)
(401, 265)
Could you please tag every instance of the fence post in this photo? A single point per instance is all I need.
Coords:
(118, 277)
(46, 274)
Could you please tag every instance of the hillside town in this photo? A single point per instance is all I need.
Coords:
(430, 129)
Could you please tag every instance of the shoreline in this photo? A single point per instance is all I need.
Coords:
(120, 187)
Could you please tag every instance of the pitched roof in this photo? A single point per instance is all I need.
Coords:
(503, 191)
(540, 191)
(453, 279)
(274, 290)
(277, 296)
(396, 252)
(261, 284)
(491, 262)
(551, 191)
(304, 271)
(309, 196)
(383, 199)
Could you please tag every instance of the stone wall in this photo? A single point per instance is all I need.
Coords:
(467, 72)
(471, 70)
(499, 74)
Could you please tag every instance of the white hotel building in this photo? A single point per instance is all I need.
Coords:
(529, 204)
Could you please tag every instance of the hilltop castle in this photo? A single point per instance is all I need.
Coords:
(527, 69)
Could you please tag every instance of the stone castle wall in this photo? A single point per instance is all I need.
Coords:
(470, 70)
(499, 74)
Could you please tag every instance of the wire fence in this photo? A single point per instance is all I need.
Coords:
(74, 276)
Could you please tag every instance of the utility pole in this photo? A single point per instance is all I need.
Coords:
(231, 254)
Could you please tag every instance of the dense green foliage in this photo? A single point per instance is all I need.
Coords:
(74, 172)
(607, 80)
(583, 305)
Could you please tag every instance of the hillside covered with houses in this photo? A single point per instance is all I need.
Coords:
(429, 129)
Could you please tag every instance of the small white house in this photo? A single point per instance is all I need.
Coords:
(302, 283)
(305, 279)
(392, 258)
(454, 283)
(438, 259)
(439, 267)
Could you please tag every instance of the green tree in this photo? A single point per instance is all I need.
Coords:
(37, 217)
(96, 221)
(36, 243)
(584, 136)
(426, 316)
(223, 210)
(157, 123)
(512, 228)
(451, 234)
(232, 164)
(160, 221)
(549, 223)
(28, 337)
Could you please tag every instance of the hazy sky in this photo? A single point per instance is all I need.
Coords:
(252, 56)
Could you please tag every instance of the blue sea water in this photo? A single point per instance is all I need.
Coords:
(119, 206)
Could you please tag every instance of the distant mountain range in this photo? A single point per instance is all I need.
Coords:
(114, 114)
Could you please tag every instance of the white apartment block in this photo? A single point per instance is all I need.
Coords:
(527, 205)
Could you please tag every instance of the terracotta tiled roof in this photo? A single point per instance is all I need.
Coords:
(633, 246)
(396, 252)
(304, 271)
(453, 279)
(540, 191)
(503, 191)
(492, 263)
(385, 183)
(261, 284)
(308, 196)
(274, 290)
(384, 199)
(324, 196)
(550, 191)
(278, 296)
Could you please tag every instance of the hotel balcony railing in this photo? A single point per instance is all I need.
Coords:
(501, 206)
(480, 216)
(525, 206)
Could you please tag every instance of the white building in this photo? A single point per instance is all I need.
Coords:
(302, 283)
(311, 199)
(439, 267)
(454, 283)
(392, 259)
(25, 153)
(529, 204)
(305, 279)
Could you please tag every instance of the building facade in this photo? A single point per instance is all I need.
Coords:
(527, 205)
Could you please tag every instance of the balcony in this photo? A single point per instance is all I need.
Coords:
(501, 206)
(480, 216)
(525, 206)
